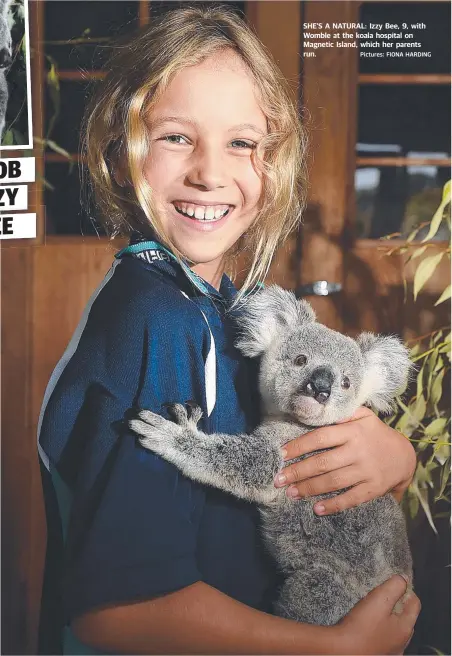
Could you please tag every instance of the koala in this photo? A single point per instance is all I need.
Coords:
(309, 376)
(5, 60)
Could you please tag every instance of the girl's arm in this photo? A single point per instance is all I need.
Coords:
(199, 619)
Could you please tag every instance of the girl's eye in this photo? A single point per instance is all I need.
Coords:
(244, 144)
(345, 382)
(300, 360)
(174, 139)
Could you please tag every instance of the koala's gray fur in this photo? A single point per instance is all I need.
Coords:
(329, 562)
(5, 60)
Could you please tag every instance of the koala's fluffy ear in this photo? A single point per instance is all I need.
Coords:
(4, 6)
(386, 370)
(266, 314)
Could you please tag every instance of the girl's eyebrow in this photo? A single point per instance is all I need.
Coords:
(156, 123)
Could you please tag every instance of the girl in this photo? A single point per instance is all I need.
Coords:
(194, 146)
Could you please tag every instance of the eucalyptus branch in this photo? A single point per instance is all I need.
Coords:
(422, 337)
(423, 355)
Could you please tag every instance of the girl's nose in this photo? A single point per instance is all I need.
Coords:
(208, 169)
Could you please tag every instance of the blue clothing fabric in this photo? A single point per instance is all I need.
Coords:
(133, 527)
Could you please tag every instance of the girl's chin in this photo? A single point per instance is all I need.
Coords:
(203, 258)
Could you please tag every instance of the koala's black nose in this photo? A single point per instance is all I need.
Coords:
(5, 58)
(319, 384)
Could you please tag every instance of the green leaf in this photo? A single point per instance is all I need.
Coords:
(413, 505)
(444, 296)
(425, 271)
(437, 217)
(422, 445)
(437, 427)
(415, 350)
(418, 252)
(436, 337)
(18, 137)
(442, 453)
(405, 425)
(423, 500)
(58, 149)
(420, 381)
(422, 477)
(437, 388)
(418, 408)
(413, 234)
(8, 138)
(53, 84)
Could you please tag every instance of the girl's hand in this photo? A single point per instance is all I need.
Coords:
(371, 627)
(368, 456)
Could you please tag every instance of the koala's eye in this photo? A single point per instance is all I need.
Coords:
(345, 382)
(300, 360)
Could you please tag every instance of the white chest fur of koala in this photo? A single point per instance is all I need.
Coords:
(310, 376)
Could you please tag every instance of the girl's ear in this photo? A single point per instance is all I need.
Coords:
(386, 370)
(265, 314)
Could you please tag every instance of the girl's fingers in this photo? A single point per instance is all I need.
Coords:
(320, 438)
(361, 413)
(331, 482)
(349, 499)
(321, 463)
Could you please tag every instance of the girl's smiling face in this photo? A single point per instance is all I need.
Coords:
(203, 131)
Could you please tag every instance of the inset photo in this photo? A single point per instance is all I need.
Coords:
(15, 91)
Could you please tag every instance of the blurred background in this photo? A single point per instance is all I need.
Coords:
(380, 156)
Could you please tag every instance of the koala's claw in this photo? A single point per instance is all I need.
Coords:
(184, 415)
(194, 411)
(150, 418)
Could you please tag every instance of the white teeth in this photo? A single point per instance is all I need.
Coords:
(201, 212)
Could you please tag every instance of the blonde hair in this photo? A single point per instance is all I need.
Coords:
(116, 136)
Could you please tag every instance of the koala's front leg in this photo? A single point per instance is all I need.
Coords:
(243, 465)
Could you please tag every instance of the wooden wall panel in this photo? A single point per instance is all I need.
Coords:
(16, 460)
(329, 95)
(374, 297)
(278, 25)
(44, 292)
(22, 540)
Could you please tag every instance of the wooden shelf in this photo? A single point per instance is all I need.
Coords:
(391, 78)
(402, 161)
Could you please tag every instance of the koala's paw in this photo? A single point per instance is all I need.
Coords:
(187, 415)
(155, 432)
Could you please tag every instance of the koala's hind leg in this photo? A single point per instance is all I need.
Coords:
(315, 596)
(243, 465)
